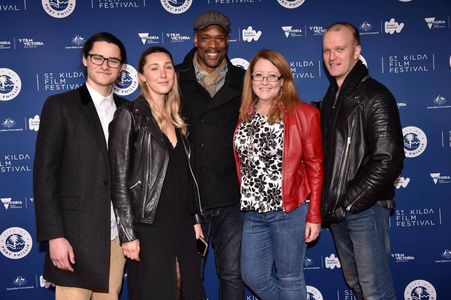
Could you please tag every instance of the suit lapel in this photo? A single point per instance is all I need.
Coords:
(94, 121)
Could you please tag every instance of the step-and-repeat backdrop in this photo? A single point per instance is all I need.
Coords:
(406, 45)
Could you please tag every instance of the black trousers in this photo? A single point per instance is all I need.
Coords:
(224, 227)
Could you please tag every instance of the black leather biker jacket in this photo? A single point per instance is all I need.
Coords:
(363, 144)
(138, 161)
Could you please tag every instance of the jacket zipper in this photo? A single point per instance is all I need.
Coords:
(188, 154)
(135, 185)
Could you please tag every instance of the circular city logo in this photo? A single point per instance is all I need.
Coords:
(58, 8)
(420, 290)
(10, 84)
(240, 63)
(127, 82)
(176, 6)
(313, 293)
(363, 60)
(15, 243)
(415, 141)
(290, 4)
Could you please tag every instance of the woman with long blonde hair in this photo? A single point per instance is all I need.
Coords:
(154, 191)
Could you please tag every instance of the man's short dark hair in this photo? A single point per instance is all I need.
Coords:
(104, 37)
(355, 32)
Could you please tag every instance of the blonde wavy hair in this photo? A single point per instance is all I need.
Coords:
(172, 101)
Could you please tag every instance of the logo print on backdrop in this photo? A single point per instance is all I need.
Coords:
(127, 82)
(15, 243)
(317, 30)
(33, 123)
(8, 123)
(304, 69)
(76, 42)
(366, 28)
(176, 37)
(402, 258)
(6, 202)
(290, 4)
(445, 256)
(432, 23)
(408, 63)
(417, 217)
(437, 178)
(240, 63)
(10, 84)
(176, 6)
(313, 293)
(250, 34)
(148, 39)
(332, 262)
(28, 43)
(415, 141)
(419, 290)
(401, 182)
(5, 44)
(58, 8)
(20, 283)
(309, 264)
(439, 102)
(289, 31)
(392, 26)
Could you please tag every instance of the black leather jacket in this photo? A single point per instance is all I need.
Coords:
(363, 145)
(139, 160)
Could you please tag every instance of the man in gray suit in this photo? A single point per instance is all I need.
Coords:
(71, 179)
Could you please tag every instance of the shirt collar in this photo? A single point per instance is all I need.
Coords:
(97, 97)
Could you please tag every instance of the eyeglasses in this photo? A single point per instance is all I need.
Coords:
(269, 77)
(98, 60)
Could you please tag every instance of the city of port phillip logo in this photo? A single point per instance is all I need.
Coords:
(10, 84)
(176, 6)
(59, 8)
(415, 141)
(313, 293)
(240, 63)
(420, 290)
(15, 243)
(291, 4)
(127, 82)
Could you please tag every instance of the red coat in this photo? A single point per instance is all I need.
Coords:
(302, 162)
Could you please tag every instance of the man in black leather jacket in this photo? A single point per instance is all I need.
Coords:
(211, 96)
(363, 156)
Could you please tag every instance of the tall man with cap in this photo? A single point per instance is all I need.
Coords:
(211, 96)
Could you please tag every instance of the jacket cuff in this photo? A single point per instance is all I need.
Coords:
(198, 219)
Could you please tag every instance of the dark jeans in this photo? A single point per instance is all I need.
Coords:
(224, 227)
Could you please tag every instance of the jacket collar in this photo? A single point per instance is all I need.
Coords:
(358, 74)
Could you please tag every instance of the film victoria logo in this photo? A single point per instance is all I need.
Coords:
(240, 63)
(445, 256)
(127, 82)
(250, 34)
(392, 27)
(10, 84)
(59, 8)
(439, 102)
(176, 37)
(435, 23)
(420, 289)
(148, 39)
(291, 32)
(420, 217)
(291, 4)
(402, 257)
(176, 6)
(415, 141)
(317, 30)
(20, 283)
(439, 178)
(15, 243)
(29, 43)
(313, 293)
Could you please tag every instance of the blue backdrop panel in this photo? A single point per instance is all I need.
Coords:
(406, 45)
